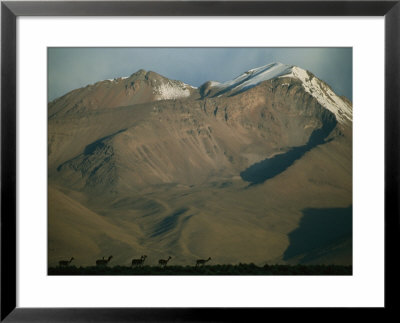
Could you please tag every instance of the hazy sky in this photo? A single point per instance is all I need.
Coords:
(71, 68)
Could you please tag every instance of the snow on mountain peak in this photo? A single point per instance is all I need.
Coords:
(324, 94)
(253, 77)
(171, 90)
(311, 84)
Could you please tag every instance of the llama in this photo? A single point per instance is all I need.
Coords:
(163, 262)
(202, 262)
(103, 262)
(65, 263)
(138, 262)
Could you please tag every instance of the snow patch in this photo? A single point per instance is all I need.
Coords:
(324, 94)
(116, 79)
(214, 83)
(169, 91)
(193, 87)
(253, 77)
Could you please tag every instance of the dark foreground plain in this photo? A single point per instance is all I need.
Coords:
(241, 269)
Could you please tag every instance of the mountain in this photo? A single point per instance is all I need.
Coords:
(148, 165)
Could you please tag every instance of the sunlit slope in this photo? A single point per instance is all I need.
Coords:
(141, 87)
(76, 231)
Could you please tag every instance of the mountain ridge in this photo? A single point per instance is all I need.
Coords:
(172, 89)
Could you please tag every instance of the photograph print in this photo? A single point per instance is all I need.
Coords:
(200, 161)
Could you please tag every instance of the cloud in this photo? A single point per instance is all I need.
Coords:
(71, 68)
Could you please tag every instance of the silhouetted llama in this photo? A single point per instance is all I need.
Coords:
(202, 262)
(164, 262)
(103, 262)
(65, 263)
(138, 262)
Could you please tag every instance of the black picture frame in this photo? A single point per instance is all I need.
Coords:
(11, 10)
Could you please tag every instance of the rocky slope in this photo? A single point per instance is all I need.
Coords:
(148, 165)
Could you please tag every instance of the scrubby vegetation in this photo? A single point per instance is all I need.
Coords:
(241, 269)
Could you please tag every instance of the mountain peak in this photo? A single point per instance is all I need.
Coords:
(311, 84)
(321, 91)
(139, 73)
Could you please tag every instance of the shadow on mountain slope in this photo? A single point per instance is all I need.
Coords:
(168, 223)
(319, 230)
(270, 167)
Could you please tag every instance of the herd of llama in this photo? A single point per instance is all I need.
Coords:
(135, 262)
